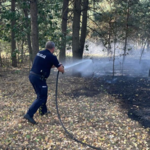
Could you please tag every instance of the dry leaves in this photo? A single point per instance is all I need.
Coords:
(90, 109)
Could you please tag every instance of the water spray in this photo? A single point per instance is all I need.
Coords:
(88, 61)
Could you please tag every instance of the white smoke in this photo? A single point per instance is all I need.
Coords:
(102, 64)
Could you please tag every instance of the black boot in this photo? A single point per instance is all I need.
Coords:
(30, 119)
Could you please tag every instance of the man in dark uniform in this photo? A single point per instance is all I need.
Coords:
(41, 68)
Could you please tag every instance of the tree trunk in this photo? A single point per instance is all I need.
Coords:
(1, 60)
(34, 28)
(62, 55)
(143, 45)
(22, 51)
(76, 29)
(83, 29)
(13, 42)
(30, 47)
(148, 45)
(114, 55)
(126, 36)
(28, 34)
(109, 39)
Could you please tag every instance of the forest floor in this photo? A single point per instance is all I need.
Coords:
(106, 112)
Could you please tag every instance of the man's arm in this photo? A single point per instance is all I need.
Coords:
(61, 69)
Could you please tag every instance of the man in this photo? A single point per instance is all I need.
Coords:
(41, 68)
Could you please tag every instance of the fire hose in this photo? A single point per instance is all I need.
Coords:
(59, 117)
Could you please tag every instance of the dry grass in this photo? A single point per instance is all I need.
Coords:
(91, 113)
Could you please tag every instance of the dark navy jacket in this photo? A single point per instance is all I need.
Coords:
(43, 62)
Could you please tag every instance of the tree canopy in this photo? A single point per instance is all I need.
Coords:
(69, 23)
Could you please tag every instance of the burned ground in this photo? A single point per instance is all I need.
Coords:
(111, 113)
(134, 93)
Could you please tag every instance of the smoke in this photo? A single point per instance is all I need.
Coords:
(99, 63)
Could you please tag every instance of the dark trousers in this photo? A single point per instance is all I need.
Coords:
(41, 89)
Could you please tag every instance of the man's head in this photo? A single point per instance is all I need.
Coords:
(50, 45)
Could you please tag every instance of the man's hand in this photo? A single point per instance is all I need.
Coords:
(61, 68)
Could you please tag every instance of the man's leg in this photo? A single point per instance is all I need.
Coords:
(43, 107)
(40, 88)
